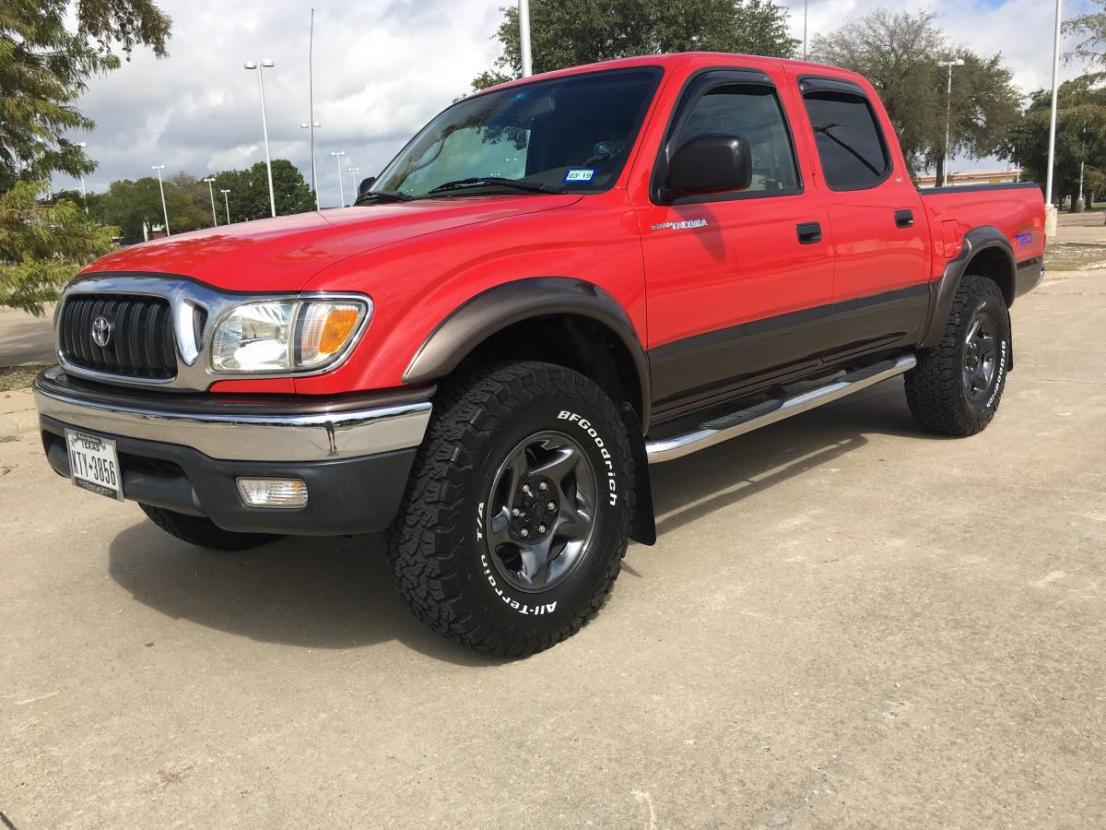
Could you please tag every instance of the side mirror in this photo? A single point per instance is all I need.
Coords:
(710, 164)
(363, 188)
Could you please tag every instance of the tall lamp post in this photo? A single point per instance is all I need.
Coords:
(341, 191)
(353, 171)
(524, 37)
(84, 194)
(312, 126)
(264, 63)
(1050, 210)
(806, 3)
(161, 187)
(211, 192)
(948, 120)
(226, 201)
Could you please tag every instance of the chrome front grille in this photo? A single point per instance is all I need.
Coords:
(136, 332)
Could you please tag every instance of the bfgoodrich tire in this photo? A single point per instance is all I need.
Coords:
(956, 387)
(516, 516)
(203, 533)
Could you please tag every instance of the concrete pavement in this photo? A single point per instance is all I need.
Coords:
(846, 622)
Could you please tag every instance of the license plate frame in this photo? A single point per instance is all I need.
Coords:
(94, 464)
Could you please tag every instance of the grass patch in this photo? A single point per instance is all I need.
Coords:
(1073, 256)
(18, 377)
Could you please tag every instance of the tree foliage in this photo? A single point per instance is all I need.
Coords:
(1090, 28)
(571, 32)
(132, 203)
(45, 64)
(1080, 136)
(900, 54)
(43, 245)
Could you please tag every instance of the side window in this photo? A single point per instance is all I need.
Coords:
(753, 113)
(850, 144)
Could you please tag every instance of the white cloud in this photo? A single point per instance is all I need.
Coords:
(382, 68)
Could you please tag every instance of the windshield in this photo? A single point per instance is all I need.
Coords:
(564, 134)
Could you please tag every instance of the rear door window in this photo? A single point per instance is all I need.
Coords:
(850, 145)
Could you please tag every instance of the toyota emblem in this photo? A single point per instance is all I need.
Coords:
(101, 331)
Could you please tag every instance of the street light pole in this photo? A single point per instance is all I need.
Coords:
(948, 120)
(806, 4)
(1052, 122)
(211, 192)
(161, 187)
(226, 201)
(314, 125)
(264, 63)
(311, 124)
(341, 191)
(524, 37)
(353, 178)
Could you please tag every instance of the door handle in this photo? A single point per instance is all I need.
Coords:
(904, 218)
(809, 233)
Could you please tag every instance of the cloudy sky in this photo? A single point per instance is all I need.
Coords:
(382, 68)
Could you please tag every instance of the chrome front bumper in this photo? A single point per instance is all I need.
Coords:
(239, 429)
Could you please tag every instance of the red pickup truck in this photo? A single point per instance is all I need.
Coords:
(556, 283)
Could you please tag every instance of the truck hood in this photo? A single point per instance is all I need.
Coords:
(284, 253)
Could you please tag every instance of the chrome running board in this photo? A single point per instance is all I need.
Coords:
(769, 412)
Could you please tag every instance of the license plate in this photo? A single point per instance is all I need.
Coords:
(93, 464)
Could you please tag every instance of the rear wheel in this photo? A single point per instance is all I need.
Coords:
(516, 516)
(956, 387)
(201, 532)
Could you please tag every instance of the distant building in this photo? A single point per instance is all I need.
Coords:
(981, 177)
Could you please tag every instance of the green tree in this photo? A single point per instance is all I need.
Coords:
(1091, 29)
(43, 245)
(1080, 136)
(571, 32)
(48, 51)
(900, 54)
(249, 191)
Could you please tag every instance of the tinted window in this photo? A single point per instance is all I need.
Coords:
(572, 133)
(850, 144)
(752, 113)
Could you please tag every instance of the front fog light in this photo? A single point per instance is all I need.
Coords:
(273, 492)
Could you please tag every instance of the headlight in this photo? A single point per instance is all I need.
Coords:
(287, 335)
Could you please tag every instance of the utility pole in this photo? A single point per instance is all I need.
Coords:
(948, 121)
(524, 37)
(211, 192)
(161, 187)
(264, 63)
(1050, 211)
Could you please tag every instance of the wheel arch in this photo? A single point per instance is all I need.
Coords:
(985, 252)
(560, 320)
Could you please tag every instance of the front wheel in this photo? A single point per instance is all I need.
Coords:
(516, 517)
(956, 387)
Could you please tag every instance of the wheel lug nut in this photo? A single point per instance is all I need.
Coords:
(524, 533)
(543, 486)
(551, 506)
(515, 511)
(541, 528)
(526, 489)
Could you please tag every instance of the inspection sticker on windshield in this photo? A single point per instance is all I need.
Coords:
(579, 174)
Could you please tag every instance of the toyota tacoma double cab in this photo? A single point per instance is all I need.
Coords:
(555, 284)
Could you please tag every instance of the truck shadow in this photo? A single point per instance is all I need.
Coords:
(338, 593)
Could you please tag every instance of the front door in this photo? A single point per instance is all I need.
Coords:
(739, 284)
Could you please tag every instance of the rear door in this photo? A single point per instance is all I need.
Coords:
(739, 284)
(880, 241)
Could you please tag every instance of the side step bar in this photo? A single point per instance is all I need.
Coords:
(769, 412)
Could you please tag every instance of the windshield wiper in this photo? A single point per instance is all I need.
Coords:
(384, 196)
(492, 181)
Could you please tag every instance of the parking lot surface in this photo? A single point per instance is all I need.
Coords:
(845, 622)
